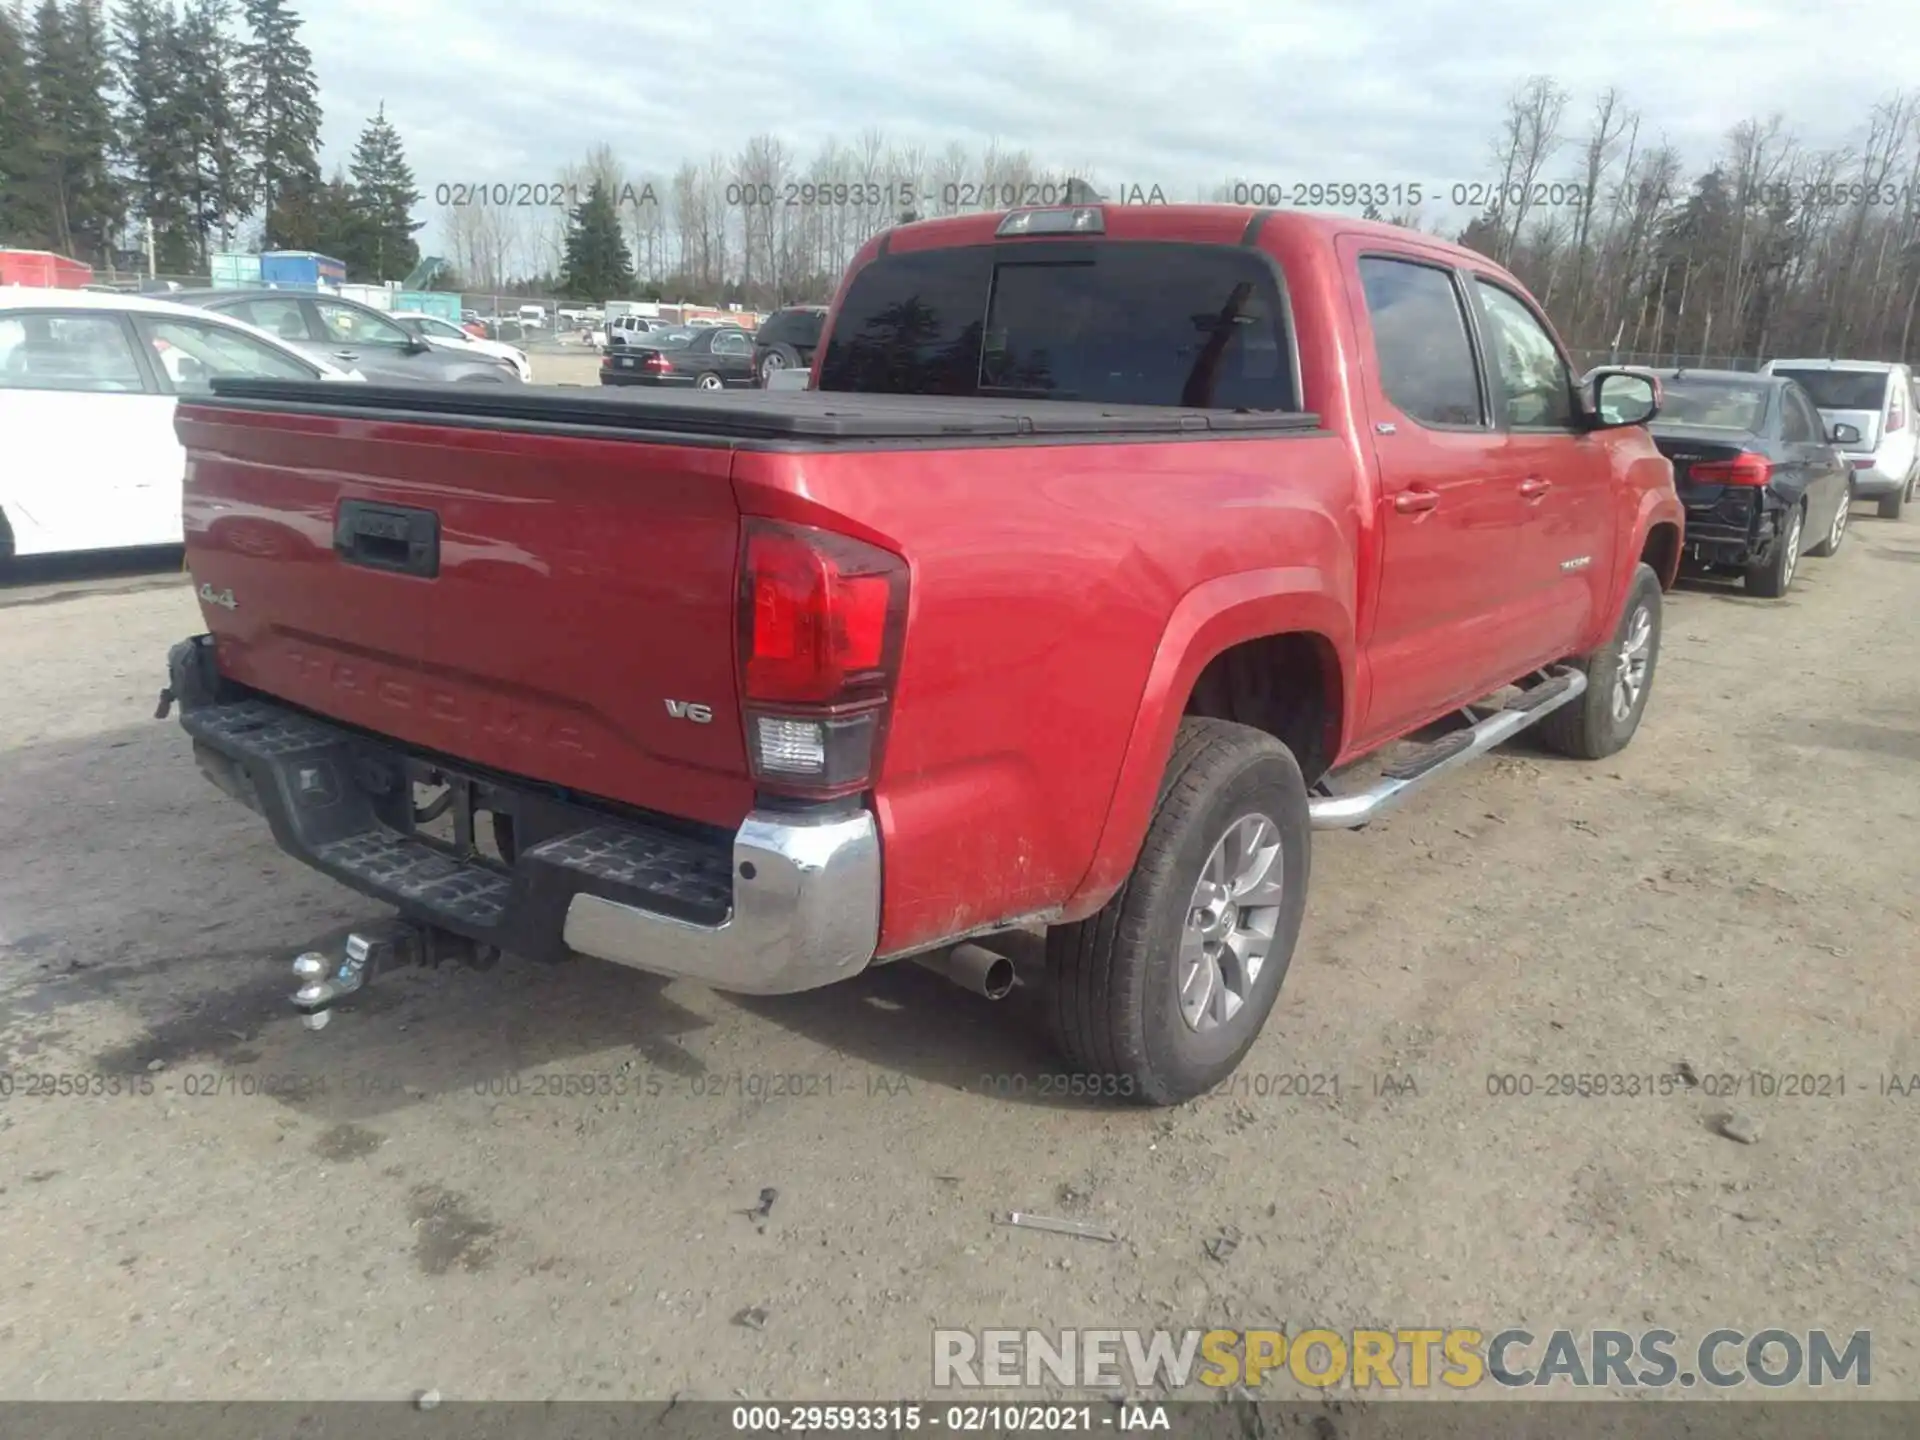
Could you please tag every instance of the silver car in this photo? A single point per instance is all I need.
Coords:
(1878, 399)
(351, 335)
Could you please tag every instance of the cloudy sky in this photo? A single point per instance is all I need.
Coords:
(1132, 91)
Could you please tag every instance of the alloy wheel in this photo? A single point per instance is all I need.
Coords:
(1636, 655)
(1230, 923)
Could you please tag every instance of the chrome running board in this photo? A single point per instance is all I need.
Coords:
(1349, 812)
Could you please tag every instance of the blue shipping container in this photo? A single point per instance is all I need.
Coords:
(301, 267)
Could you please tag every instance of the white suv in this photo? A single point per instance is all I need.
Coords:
(1879, 400)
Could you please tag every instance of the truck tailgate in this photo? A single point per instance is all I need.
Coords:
(528, 603)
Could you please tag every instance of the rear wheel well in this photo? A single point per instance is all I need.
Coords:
(1285, 685)
(1662, 552)
(6, 538)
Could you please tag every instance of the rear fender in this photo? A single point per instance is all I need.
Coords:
(1655, 505)
(1212, 618)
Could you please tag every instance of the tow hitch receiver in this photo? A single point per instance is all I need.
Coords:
(389, 945)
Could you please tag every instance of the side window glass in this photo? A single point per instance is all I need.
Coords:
(192, 354)
(68, 352)
(1793, 421)
(1421, 343)
(277, 317)
(358, 327)
(1529, 370)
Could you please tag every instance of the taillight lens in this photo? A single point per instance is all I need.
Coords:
(1897, 417)
(657, 361)
(1746, 468)
(822, 618)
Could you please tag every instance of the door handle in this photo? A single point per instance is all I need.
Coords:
(346, 354)
(1412, 502)
(1534, 489)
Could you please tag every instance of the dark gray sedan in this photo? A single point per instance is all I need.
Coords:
(352, 336)
(1761, 476)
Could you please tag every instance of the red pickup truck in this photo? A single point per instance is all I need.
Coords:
(1107, 542)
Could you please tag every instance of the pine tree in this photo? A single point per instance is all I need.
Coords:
(597, 265)
(159, 170)
(209, 121)
(341, 228)
(71, 75)
(280, 119)
(25, 217)
(383, 191)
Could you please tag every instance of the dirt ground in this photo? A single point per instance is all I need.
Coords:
(392, 1204)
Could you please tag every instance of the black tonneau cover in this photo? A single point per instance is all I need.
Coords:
(793, 415)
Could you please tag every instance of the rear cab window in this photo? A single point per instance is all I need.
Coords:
(1113, 322)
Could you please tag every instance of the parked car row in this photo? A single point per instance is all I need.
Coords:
(1770, 463)
(88, 382)
(643, 351)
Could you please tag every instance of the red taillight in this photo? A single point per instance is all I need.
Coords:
(1897, 417)
(822, 618)
(1863, 462)
(657, 361)
(1745, 468)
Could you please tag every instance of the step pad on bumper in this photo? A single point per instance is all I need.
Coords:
(392, 864)
(343, 801)
(661, 864)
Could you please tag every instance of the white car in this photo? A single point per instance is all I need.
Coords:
(445, 335)
(1878, 399)
(88, 457)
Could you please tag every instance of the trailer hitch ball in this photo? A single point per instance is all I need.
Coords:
(322, 982)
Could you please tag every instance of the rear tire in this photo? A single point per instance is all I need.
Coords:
(710, 381)
(1619, 680)
(1177, 939)
(779, 357)
(1772, 580)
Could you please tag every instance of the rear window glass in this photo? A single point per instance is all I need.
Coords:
(795, 327)
(1842, 389)
(1716, 406)
(1119, 323)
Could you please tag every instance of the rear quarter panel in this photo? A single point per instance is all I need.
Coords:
(1045, 580)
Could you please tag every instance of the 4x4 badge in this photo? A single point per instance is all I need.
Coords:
(223, 598)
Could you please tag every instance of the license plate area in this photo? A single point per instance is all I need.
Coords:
(463, 816)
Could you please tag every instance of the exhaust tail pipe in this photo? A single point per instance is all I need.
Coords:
(972, 967)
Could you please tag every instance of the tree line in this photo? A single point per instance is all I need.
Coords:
(198, 121)
(1774, 245)
(202, 118)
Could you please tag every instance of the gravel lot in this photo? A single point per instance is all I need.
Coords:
(392, 1204)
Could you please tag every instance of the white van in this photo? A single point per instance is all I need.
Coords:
(533, 316)
(1878, 399)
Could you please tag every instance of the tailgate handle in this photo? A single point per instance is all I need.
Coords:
(388, 537)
